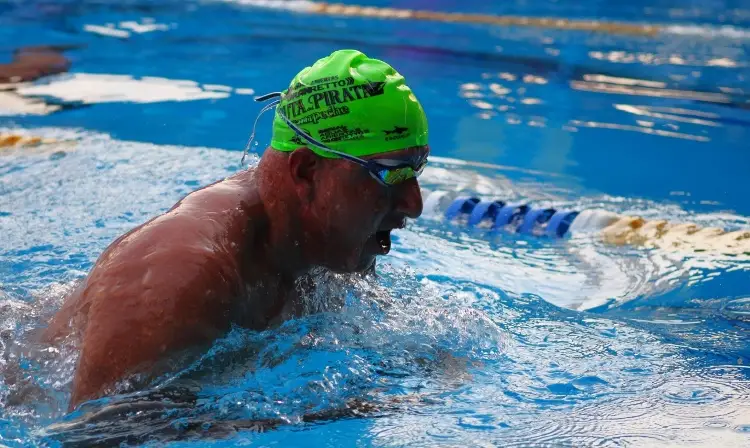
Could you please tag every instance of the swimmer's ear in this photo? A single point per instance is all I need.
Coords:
(303, 164)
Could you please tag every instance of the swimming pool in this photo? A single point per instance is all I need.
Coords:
(468, 338)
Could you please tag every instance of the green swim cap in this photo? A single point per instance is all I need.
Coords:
(352, 104)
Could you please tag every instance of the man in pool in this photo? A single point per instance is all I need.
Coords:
(349, 140)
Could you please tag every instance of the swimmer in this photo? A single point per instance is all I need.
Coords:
(349, 141)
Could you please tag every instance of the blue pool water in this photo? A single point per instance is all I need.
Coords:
(467, 338)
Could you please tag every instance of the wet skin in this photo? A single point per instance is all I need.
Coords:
(233, 252)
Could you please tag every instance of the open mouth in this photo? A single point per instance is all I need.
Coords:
(383, 237)
(381, 240)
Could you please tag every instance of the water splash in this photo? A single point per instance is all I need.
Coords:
(348, 357)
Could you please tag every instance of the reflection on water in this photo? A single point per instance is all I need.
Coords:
(643, 91)
(508, 99)
(671, 113)
(124, 29)
(624, 57)
(643, 127)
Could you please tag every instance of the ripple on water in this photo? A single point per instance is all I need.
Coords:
(552, 429)
(572, 429)
(547, 431)
(627, 440)
(706, 397)
(618, 409)
(481, 422)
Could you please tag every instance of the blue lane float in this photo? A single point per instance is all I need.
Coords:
(460, 206)
(518, 217)
(509, 215)
(533, 218)
(560, 223)
(484, 210)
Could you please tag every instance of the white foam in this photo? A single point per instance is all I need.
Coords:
(12, 104)
(99, 88)
(436, 202)
(217, 87)
(141, 28)
(107, 31)
(592, 220)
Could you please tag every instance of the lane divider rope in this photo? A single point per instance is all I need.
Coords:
(338, 9)
(523, 218)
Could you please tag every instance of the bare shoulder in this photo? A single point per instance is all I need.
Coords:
(167, 285)
(187, 260)
(191, 250)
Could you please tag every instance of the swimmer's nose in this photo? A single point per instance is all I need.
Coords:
(408, 199)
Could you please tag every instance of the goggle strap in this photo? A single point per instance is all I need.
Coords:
(268, 96)
(255, 125)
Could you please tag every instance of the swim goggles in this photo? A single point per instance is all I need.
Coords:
(388, 172)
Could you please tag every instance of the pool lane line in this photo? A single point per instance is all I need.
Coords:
(338, 9)
(487, 19)
(558, 23)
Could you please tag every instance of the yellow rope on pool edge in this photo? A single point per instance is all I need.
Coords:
(8, 140)
(688, 237)
(541, 22)
(16, 140)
